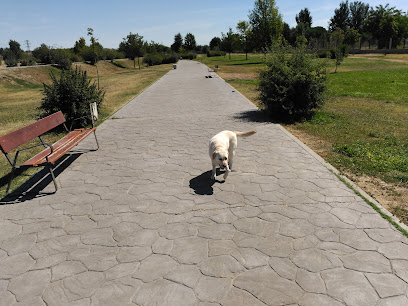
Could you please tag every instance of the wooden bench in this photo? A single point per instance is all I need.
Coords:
(52, 153)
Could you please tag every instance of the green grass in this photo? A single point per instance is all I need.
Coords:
(379, 84)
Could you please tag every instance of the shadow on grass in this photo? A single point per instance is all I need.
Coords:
(203, 183)
(35, 185)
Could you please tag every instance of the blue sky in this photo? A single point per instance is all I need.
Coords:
(61, 23)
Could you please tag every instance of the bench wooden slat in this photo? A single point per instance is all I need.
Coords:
(15, 139)
(61, 147)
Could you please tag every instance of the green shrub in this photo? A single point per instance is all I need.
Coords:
(160, 58)
(27, 60)
(187, 55)
(71, 94)
(61, 58)
(215, 53)
(293, 84)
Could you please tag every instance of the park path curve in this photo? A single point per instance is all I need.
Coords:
(139, 222)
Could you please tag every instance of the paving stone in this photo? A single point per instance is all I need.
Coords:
(73, 289)
(221, 247)
(257, 226)
(315, 260)
(121, 270)
(396, 300)
(9, 229)
(188, 275)
(113, 293)
(164, 292)
(296, 229)
(67, 269)
(178, 230)
(190, 250)
(32, 283)
(221, 266)
(240, 297)
(268, 286)
(312, 299)
(310, 282)
(400, 267)
(284, 267)
(350, 287)
(162, 246)
(212, 289)
(384, 235)
(276, 245)
(15, 265)
(394, 250)
(154, 267)
(250, 258)
(19, 244)
(50, 261)
(217, 231)
(387, 285)
(372, 221)
(367, 262)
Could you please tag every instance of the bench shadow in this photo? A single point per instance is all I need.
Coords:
(203, 183)
(35, 185)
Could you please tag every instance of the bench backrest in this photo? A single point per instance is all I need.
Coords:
(15, 139)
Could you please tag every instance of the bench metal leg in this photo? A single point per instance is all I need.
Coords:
(96, 139)
(53, 177)
(9, 183)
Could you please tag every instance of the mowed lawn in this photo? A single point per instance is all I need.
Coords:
(21, 94)
(362, 128)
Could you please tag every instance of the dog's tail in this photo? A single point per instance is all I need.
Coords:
(244, 134)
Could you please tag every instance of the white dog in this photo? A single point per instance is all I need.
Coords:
(222, 150)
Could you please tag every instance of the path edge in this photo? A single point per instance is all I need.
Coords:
(350, 184)
(386, 214)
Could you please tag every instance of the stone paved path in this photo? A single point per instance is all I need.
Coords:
(139, 221)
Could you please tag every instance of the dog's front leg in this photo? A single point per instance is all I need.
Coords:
(214, 171)
(227, 171)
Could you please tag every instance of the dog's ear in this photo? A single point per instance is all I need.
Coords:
(214, 155)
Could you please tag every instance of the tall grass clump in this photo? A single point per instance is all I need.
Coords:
(292, 86)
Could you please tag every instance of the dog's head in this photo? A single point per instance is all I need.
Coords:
(221, 157)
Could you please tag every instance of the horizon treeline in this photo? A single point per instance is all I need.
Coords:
(352, 25)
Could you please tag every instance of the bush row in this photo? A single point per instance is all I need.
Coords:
(216, 53)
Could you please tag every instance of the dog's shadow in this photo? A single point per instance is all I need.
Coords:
(203, 183)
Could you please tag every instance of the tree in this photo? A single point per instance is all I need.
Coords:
(304, 17)
(358, 15)
(79, 45)
(244, 32)
(266, 24)
(15, 48)
(229, 42)
(133, 46)
(337, 36)
(178, 42)
(189, 42)
(383, 24)
(351, 37)
(215, 43)
(95, 48)
(341, 18)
